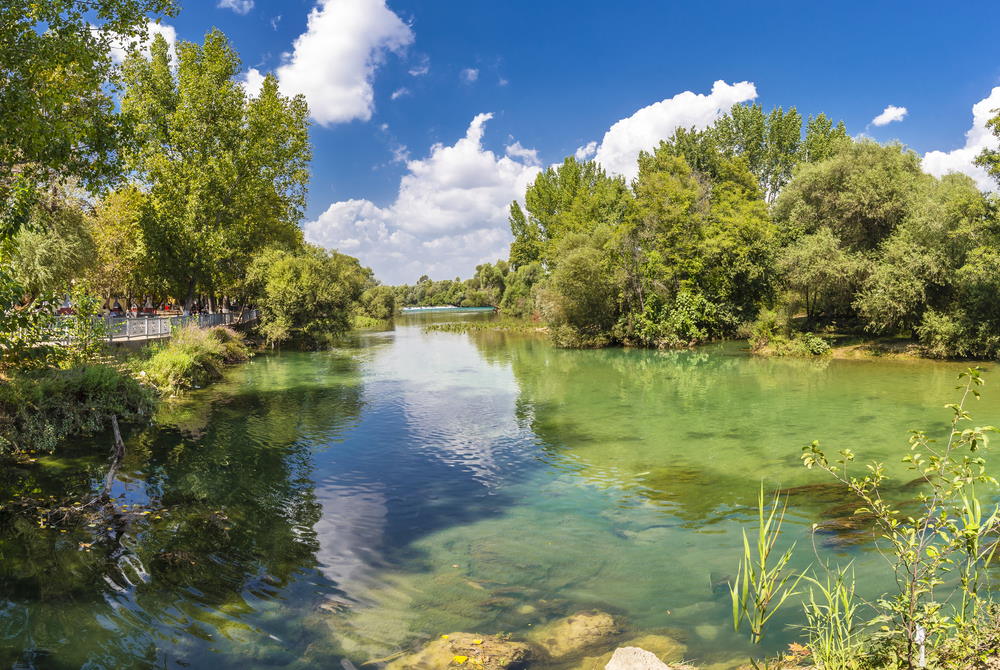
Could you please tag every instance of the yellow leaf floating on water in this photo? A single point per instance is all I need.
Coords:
(459, 660)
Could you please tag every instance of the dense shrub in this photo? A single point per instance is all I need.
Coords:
(39, 409)
(193, 357)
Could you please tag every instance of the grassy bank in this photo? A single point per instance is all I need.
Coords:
(41, 408)
(192, 358)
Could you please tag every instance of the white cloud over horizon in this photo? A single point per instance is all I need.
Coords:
(977, 138)
(450, 213)
(333, 62)
(890, 114)
(643, 130)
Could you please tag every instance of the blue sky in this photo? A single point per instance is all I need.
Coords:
(430, 117)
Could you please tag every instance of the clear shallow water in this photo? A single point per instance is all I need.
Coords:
(345, 504)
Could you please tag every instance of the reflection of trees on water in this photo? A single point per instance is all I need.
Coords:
(231, 511)
(696, 431)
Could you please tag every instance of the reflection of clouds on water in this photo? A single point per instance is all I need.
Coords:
(457, 409)
(350, 531)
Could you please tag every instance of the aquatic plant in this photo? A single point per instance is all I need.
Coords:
(763, 584)
(947, 533)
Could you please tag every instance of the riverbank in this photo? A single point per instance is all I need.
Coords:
(41, 408)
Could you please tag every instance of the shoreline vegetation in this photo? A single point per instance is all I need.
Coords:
(804, 344)
(764, 226)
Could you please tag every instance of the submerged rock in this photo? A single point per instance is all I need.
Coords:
(634, 658)
(483, 652)
(575, 634)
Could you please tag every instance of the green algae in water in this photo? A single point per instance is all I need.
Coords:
(348, 504)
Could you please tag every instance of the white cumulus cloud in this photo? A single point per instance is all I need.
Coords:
(890, 114)
(529, 156)
(977, 138)
(469, 75)
(238, 6)
(119, 48)
(643, 130)
(252, 81)
(333, 63)
(399, 93)
(586, 151)
(450, 213)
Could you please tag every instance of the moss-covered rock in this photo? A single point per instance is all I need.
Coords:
(465, 650)
(575, 634)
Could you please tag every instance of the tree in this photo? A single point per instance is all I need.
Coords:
(57, 113)
(823, 272)
(305, 296)
(823, 138)
(378, 302)
(55, 247)
(990, 158)
(770, 143)
(861, 193)
(579, 297)
(562, 200)
(227, 176)
(122, 259)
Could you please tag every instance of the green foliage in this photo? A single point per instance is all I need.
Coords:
(578, 300)
(500, 284)
(990, 158)
(55, 246)
(834, 635)
(305, 297)
(822, 272)
(193, 357)
(378, 303)
(40, 409)
(57, 113)
(25, 330)
(861, 193)
(770, 143)
(948, 534)
(86, 329)
(122, 264)
(503, 323)
(763, 581)
(227, 175)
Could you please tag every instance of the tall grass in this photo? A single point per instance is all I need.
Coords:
(193, 357)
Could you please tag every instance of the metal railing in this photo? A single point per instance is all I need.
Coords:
(125, 329)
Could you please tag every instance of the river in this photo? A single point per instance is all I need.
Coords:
(313, 507)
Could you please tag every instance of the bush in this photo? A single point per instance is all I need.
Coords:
(193, 357)
(38, 410)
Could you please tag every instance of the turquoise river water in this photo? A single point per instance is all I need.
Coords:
(317, 507)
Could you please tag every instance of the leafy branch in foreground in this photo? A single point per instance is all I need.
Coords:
(946, 536)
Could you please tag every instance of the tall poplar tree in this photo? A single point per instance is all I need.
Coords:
(226, 174)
